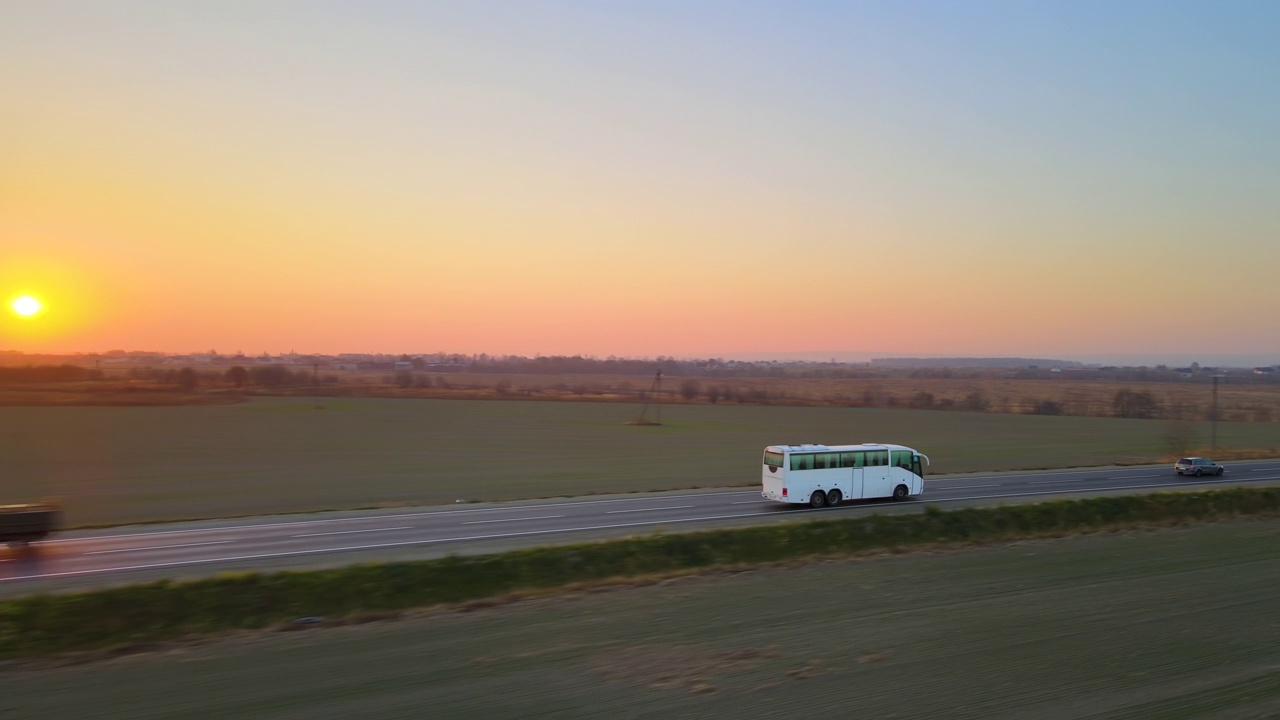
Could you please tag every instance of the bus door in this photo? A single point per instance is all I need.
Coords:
(854, 461)
(875, 478)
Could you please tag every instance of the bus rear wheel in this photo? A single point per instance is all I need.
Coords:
(817, 499)
(900, 492)
(834, 497)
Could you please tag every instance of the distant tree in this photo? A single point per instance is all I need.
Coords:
(237, 375)
(1046, 407)
(975, 402)
(922, 400)
(273, 376)
(404, 379)
(689, 389)
(187, 379)
(1138, 405)
(713, 394)
(47, 373)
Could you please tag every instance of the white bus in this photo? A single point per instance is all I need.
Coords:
(826, 475)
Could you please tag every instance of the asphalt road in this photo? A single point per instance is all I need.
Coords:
(95, 558)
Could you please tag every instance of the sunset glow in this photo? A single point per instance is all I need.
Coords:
(916, 178)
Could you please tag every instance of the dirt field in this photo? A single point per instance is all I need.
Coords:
(1152, 624)
(1241, 398)
(112, 465)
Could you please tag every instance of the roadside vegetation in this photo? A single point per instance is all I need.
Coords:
(43, 624)
(1166, 623)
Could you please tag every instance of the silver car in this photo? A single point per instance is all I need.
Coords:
(1197, 466)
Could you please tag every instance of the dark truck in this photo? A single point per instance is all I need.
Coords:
(22, 525)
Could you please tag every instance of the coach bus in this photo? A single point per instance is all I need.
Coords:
(829, 474)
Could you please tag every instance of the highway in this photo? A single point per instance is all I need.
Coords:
(94, 558)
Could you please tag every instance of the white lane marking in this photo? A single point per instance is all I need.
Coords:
(672, 507)
(554, 531)
(747, 502)
(157, 547)
(485, 522)
(349, 532)
(970, 487)
(1132, 477)
(361, 518)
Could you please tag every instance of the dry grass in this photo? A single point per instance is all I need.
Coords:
(1241, 400)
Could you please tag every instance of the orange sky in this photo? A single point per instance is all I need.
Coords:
(406, 179)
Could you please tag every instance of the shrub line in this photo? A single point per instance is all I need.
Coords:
(55, 623)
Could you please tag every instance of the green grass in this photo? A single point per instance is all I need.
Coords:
(1173, 623)
(113, 465)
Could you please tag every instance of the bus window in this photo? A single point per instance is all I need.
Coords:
(802, 462)
(848, 460)
(915, 465)
(902, 459)
(877, 458)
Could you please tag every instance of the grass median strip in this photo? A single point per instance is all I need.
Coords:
(45, 624)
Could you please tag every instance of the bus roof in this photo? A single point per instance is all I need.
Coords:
(817, 447)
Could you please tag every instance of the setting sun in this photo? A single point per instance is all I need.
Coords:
(26, 306)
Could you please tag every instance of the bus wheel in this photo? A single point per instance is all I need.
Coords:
(834, 497)
(900, 492)
(817, 499)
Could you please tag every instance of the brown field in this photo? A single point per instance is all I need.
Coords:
(1240, 398)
